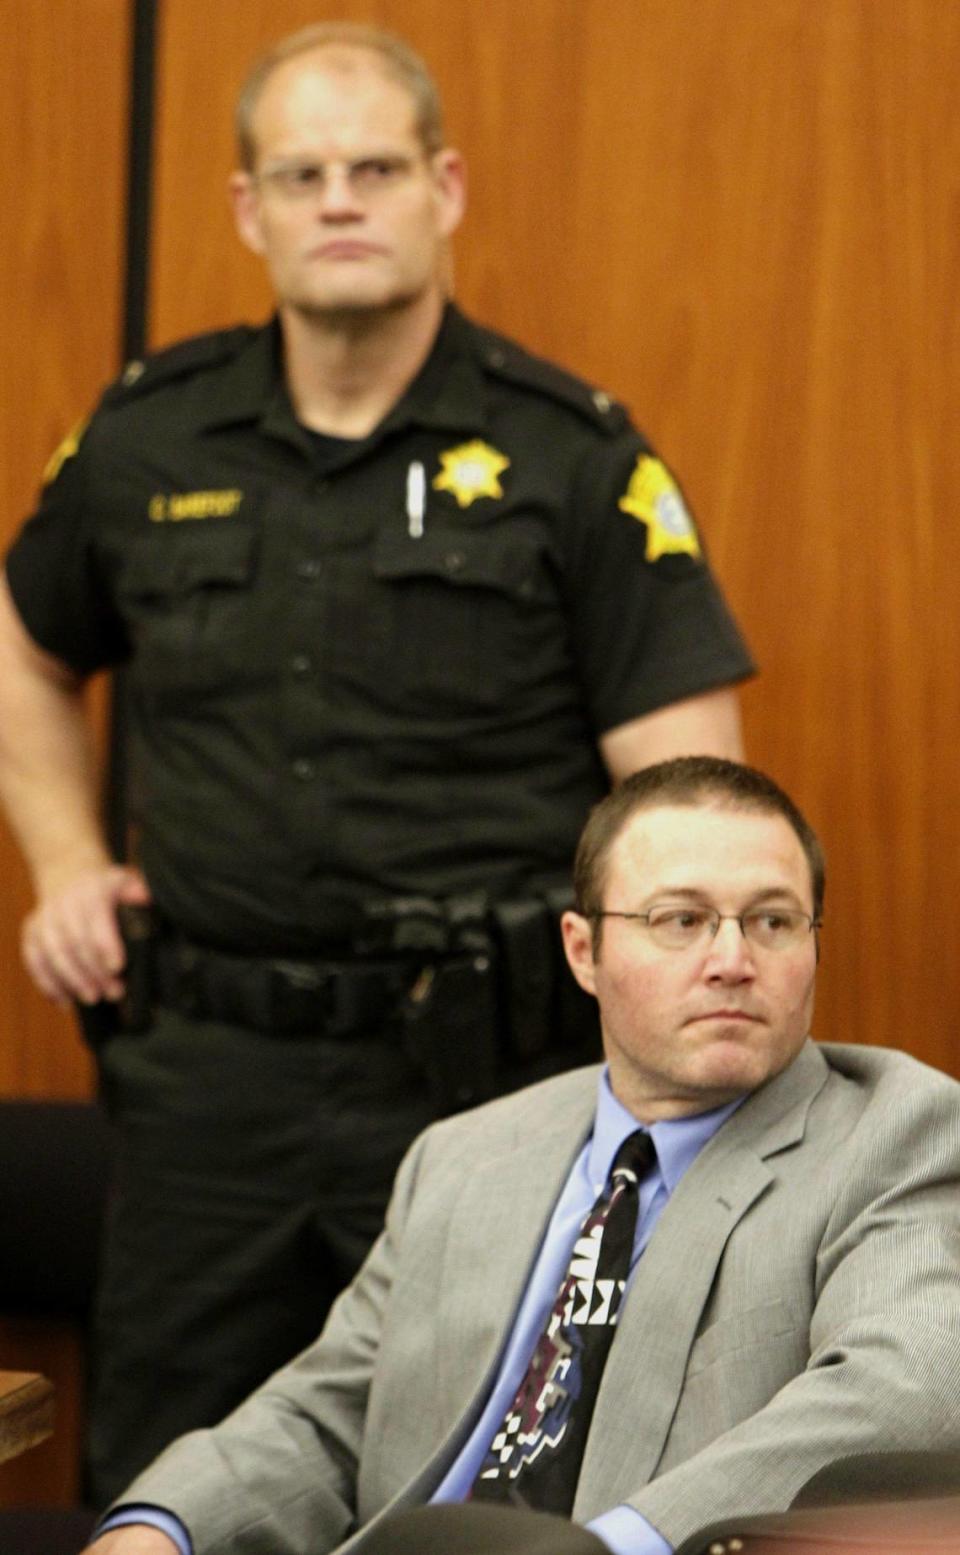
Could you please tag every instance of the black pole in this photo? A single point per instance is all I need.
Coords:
(139, 177)
(136, 300)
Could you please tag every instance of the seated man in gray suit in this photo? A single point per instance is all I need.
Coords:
(781, 1219)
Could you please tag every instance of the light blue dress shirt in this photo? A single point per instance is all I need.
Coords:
(678, 1142)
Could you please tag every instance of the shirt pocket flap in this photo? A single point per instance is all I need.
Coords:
(155, 566)
(508, 566)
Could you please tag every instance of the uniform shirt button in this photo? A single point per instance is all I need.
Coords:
(301, 663)
(309, 567)
(303, 769)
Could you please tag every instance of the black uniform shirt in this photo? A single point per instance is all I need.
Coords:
(366, 669)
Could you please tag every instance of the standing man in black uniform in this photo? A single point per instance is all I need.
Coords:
(396, 602)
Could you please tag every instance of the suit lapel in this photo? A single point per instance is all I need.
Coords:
(496, 1232)
(644, 1376)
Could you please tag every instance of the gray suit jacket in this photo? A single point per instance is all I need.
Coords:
(798, 1303)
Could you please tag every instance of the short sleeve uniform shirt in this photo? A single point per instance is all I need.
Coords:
(371, 669)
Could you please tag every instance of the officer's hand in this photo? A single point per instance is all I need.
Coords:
(71, 943)
(136, 1539)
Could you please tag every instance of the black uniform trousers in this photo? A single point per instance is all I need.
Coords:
(253, 1173)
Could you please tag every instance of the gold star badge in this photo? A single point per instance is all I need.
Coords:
(653, 497)
(470, 471)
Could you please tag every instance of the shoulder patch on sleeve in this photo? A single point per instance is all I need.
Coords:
(505, 359)
(653, 497)
(177, 361)
(67, 449)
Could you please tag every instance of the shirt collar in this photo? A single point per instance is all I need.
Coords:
(448, 391)
(678, 1141)
(244, 388)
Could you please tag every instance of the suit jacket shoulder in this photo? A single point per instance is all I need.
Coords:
(557, 1109)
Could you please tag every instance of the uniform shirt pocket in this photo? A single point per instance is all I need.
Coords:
(185, 595)
(465, 617)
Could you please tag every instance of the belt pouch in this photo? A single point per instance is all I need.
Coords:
(528, 940)
(450, 1025)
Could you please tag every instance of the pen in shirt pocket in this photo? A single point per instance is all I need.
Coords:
(416, 499)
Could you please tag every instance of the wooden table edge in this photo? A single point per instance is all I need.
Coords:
(26, 1411)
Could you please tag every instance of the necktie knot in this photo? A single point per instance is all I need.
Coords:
(634, 1157)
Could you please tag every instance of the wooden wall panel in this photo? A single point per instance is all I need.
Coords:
(63, 97)
(743, 220)
(63, 94)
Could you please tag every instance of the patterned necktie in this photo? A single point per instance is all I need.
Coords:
(534, 1458)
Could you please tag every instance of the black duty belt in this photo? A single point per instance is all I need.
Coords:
(282, 996)
(438, 970)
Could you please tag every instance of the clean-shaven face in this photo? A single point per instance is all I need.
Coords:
(687, 1030)
(370, 232)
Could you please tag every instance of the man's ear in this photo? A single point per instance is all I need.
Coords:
(577, 934)
(450, 183)
(246, 210)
